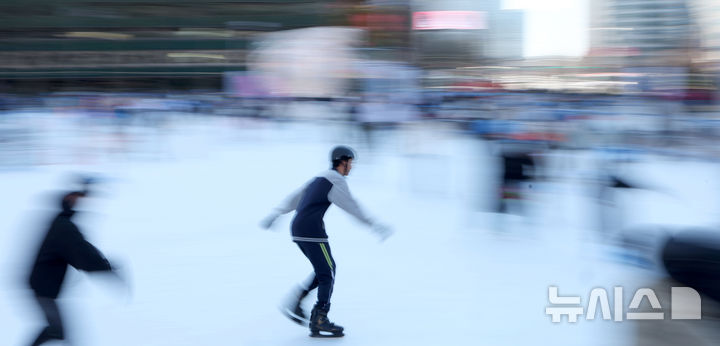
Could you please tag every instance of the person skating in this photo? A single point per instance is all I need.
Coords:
(311, 202)
(62, 246)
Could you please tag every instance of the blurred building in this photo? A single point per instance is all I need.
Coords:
(707, 17)
(386, 23)
(642, 32)
(669, 48)
(457, 33)
(155, 45)
(506, 35)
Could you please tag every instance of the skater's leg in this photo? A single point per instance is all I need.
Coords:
(310, 283)
(292, 308)
(54, 329)
(325, 273)
(324, 265)
(293, 305)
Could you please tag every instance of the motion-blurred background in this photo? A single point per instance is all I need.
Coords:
(513, 145)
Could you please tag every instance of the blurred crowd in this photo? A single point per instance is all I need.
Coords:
(540, 119)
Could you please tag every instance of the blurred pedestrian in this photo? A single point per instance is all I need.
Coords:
(518, 168)
(62, 246)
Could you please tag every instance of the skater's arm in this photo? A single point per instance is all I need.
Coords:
(289, 204)
(340, 195)
(82, 255)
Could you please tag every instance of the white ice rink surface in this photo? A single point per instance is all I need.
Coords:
(180, 217)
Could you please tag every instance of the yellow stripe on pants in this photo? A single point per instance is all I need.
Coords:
(327, 256)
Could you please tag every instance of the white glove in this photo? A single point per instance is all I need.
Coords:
(383, 231)
(267, 222)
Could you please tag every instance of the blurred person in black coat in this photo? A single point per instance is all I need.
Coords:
(62, 245)
(517, 170)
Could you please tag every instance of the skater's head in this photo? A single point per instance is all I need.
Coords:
(341, 158)
(69, 200)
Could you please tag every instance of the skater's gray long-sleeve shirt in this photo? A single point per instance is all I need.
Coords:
(312, 200)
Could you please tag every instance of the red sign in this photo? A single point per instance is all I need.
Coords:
(455, 20)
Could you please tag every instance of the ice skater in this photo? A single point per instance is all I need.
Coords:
(311, 202)
(62, 245)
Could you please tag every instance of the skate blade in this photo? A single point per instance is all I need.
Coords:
(319, 335)
(295, 318)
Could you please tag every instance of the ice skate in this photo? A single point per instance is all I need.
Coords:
(293, 310)
(320, 326)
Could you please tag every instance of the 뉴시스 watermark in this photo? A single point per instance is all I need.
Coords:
(685, 304)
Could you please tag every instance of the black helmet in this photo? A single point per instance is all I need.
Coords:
(340, 153)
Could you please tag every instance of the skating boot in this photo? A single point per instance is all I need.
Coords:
(320, 326)
(293, 307)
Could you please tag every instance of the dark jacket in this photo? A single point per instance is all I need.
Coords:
(312, 200)
(63, 245)
(308, 223)
(517, 167)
